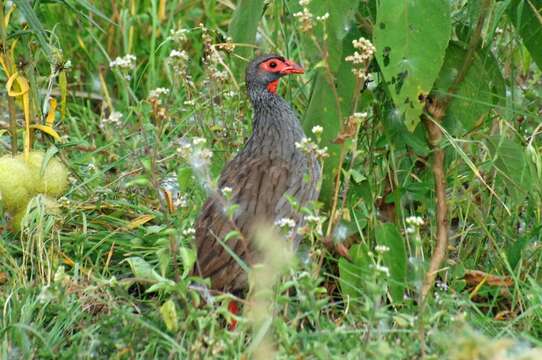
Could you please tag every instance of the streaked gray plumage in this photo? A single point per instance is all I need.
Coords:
(263, 172)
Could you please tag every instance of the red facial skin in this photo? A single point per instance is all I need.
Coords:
(283, 67)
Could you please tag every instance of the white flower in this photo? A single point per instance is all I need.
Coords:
(156, 93)
(226, 191)
(365, 45)
(176, 54)
(285, 223)
(317, 129)
(383, 269)
(114, 118)
(199, 140)
(382, 248)
(127, 62)
(179, 35)
(359, 115)
(91, 167)
(410, 230)
(302, 145)
(314, 218)
(189, 232)
(322, 153)
(305, 17)
(180, 201)
(304, 2)
(414, 221)
(323, 17)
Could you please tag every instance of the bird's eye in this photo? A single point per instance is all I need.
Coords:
(272, 64)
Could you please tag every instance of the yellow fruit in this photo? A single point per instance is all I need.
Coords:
(55, 177)
(15, 183)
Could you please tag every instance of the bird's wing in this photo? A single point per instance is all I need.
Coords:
(258, 185)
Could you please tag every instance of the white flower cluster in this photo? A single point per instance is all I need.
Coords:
(114, 118)
(309, 147)
(383, 269)
(226, 191)
(214, 61)
(228, 46)
(382, 248)
(361, 59)
(199, 140)
(285, 223)
(156, 93)
(323, 17)
(360, 116)
(125, 63)
(317, 130)
(305, 17)
(414, 221)
(189, 232)
(314, 219)
(178, 59)
(178, 54)
(193, 151)
(179, 35)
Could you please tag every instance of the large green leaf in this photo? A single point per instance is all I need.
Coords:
(514, 168)
(411, 39)
(526, 15)
(244, 25)
(482, 87)
(395, 259)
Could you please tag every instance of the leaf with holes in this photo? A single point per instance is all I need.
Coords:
(411, 39)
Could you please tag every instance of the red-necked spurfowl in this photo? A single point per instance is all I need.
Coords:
(268, 168)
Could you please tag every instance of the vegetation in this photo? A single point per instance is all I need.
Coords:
(426, 240)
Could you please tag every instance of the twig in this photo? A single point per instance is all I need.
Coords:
(438, 109)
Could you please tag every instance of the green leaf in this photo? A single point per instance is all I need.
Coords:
(482, 87)
(528, 22)
(395, 259)
(514, 168)
(34, 23)
(352, 273)
(515, 251)
(411, 39)
(144, 271)
(244, 25)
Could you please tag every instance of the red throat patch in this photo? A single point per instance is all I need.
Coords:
(272, 86)
(234, 309)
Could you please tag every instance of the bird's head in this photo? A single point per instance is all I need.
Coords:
(264, 72)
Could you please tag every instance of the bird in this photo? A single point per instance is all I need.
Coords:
(269, 169)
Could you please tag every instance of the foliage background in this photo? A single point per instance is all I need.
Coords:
(106, 274)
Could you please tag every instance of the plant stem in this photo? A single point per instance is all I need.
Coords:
(437, 109)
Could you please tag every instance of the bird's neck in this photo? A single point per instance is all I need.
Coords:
(276, 127)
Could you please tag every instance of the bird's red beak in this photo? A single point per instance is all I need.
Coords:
(291, 68)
